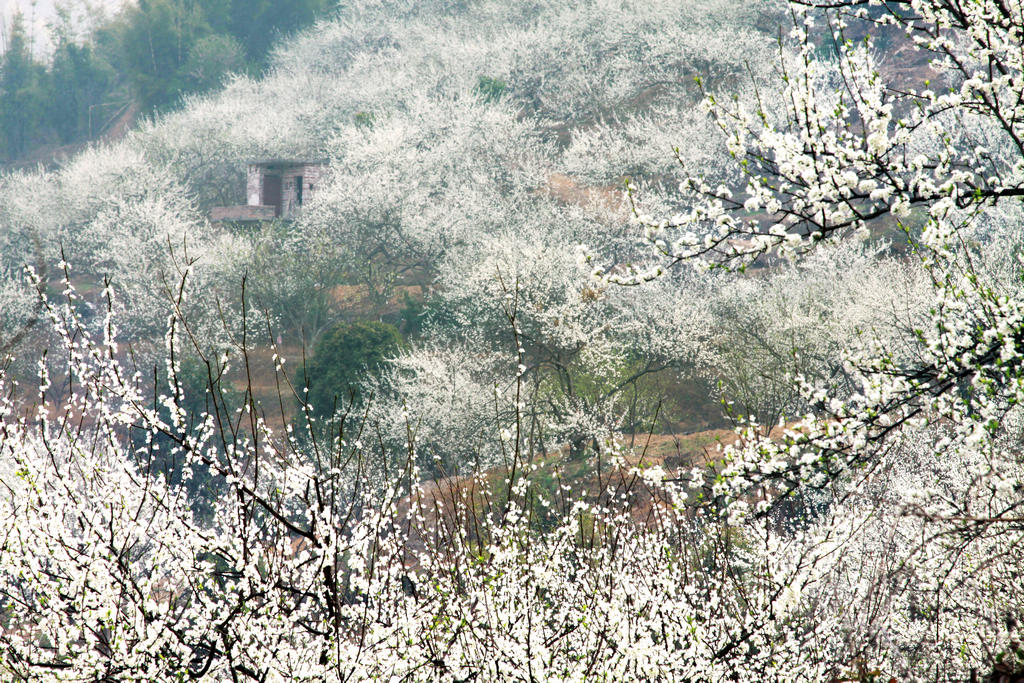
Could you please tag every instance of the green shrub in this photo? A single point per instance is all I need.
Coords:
(490, 89)
(344, 355)
(412, 315)
(365, 119)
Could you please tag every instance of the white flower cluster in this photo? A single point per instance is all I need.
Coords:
(306, 573)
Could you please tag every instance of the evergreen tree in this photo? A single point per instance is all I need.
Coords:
(22, 92)
(79, 81)
(173, 47)
(258, 23)
(157, 37)
(212, 58)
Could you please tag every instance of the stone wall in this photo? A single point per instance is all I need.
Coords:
(242, 213)
(253, 183)
(311, 175)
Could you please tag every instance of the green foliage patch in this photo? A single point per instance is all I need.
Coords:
(343, 355)
(152, 53)
(490, 89)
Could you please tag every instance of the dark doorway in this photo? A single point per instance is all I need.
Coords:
(272, 193)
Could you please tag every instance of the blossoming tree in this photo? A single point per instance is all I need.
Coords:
(925, 447)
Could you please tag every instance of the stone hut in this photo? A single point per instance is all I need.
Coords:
(275, 188)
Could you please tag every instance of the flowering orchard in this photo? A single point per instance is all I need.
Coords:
(312, 567)
(922, 439)
(865, 522)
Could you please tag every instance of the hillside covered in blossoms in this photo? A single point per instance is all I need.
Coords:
(530, 341)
